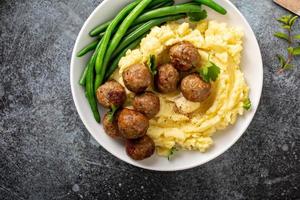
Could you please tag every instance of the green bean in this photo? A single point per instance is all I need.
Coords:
(89, 85)
(93, 57)
(97, 30)
(88, 48)
(171, 10)
(132, 28)
(143, 29)
(83, 76)
(93, 44)
(82, 80)
(154, 3)
(213, 5)
(104, 54)
(161, 4)
(90, 92)
(115, 63)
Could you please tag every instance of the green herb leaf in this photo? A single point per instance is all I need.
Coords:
(209, 72)
(288, 27)
(282, 36)
(172, 151)
(152, 64)
(287, 66)
(296, 51)
(112, 112)
(285, 19)
(247, 104)
(293, 20)
(290, 50)
(197, 16)
(281, 60)
(287, 22)
(297, 37)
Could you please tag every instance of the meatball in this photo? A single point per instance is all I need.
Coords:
(167, 78)
(184, 56)
(111, 127)
(194, 88)
(147, 103)
(132, 124)
(111, 94)
(137, 78)
(140, 148)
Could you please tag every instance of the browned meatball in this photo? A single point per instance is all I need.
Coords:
(111, 93)
(137, 78)
(167, 78)
(140, 148)
(132, 124)
(184, 56)
(147, 103)
(111, 127)
(194, 88)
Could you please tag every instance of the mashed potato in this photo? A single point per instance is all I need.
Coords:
(192, 128)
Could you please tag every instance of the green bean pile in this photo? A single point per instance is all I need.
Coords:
(113, 38)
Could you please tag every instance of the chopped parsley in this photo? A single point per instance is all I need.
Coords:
(209, 72)
(112, 112)
(172, 152)
(247, 104)
(152, 64)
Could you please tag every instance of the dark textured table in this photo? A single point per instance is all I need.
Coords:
(46, 152)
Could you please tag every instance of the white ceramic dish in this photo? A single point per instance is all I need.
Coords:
(251, 66)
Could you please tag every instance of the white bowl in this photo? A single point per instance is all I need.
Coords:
(251, 66)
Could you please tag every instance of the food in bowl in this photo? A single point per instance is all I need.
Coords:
(167, 86)
(191, 114)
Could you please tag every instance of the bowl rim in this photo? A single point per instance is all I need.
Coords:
(85, 121)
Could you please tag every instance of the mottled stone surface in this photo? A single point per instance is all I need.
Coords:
(46, 152)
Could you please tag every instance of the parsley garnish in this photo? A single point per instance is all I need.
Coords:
(172, 152)
(111, 113)
(152, 64)
(209, 72)
(287, 22)
(247, 104)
